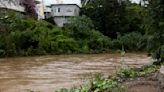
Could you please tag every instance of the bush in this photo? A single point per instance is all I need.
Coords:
(99, 84)
(26, 36)
(98, 42)
(63, 44)
(133, 73)
(129, 41)
(22, 35)
(82, 30)
(159, 55)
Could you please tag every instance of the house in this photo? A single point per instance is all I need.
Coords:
(47, 12)
(40, 9)
(16, 5)
(12, 4)
(62, 12)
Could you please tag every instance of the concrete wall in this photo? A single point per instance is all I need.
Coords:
(14, 5)
(40, 10)
(65, 10)
(61, 12)
(47, 12)
(47, 15)
(60, 21)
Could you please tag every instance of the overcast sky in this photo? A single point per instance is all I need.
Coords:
(47, 2)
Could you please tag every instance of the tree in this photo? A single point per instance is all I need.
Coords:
(134, 18)
(29, 7)
(95, 11)
(155, 28)
(114, 11)
(109, 16)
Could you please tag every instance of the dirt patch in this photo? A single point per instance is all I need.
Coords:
(143, 84)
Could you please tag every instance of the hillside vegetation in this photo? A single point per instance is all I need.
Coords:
(22, 35)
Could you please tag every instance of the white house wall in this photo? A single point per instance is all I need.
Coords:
(65, 10)
(60, 21)
(14, 5)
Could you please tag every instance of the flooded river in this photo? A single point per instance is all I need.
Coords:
(48, 73)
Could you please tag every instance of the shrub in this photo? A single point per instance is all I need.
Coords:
(25, 36)
(82, 30)
(127, 72)
(99, 84)
(10, 20)
(129, 41)
(159, 55)
(98, 42)
(63, 44)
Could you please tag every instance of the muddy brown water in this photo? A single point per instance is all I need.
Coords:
(49, 73)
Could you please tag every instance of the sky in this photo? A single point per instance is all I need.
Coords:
(136, 1)
(47, 2)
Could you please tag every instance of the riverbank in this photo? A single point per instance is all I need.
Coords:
(143, 84)
(144, 79)
(154, 82)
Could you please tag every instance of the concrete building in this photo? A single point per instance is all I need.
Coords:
(12, 4)
(16, 5)
(40, 9)
(47, 12)
(61, 12)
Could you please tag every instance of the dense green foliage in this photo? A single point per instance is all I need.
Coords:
(154, 26)
(130, 42)
(112, 17)
(25, 36)
(22, 35)
(127, 72)
(82, 29)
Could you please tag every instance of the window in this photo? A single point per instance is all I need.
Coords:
(58, 9)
